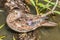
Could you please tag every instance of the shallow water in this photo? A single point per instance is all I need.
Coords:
(45, 33)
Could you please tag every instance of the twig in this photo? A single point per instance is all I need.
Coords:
(55, 6)
(37, 10)
(44, 15)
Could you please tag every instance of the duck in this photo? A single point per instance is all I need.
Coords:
(21, 20)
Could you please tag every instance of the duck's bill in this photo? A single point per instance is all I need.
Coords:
(49, 24)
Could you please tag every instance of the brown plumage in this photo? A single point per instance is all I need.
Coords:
(20, 20)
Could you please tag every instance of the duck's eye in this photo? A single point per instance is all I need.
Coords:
(15, 8)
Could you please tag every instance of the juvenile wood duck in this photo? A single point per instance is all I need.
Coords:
(20, 20)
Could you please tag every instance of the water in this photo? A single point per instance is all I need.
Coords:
(4, 30)
(45, 33)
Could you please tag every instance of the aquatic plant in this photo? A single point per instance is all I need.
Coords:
(14, 38)
(40, 6)
(1, 37)
(2, 26)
